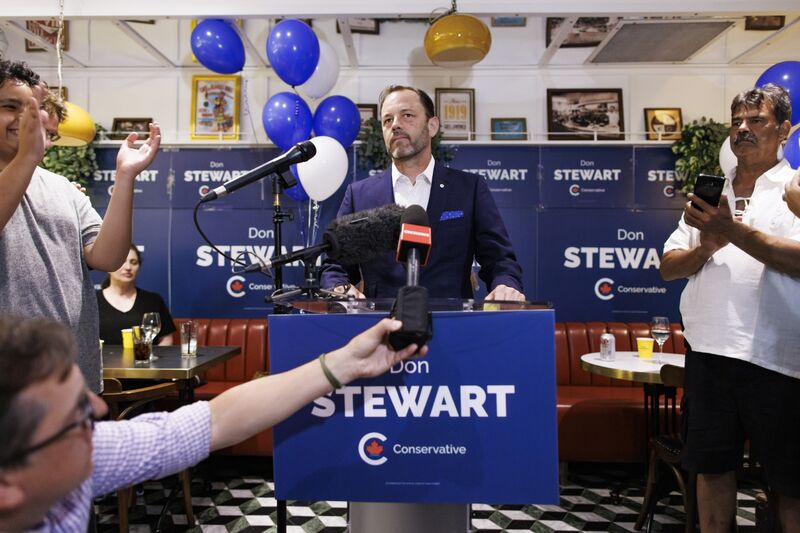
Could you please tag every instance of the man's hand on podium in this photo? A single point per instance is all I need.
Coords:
(349, 290)
(504, 292)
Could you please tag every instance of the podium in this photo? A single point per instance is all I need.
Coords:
(473, 421)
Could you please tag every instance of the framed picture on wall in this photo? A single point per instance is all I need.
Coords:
(215, 108)
(509, 129)
(587, 31)
(663, 124)
(768, 23)
(122, 127)
(47, 30)
(367, 111)
(508, 22)
(584, 114)
(456, 111)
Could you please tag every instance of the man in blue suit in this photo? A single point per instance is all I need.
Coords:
(465, 222)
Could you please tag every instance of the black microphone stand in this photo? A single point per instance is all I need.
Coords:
(283, 179)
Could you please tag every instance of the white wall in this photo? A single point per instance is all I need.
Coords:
(122, 80)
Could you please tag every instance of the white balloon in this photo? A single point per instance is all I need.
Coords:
(727, 159)
(323, 174)
(325, 75)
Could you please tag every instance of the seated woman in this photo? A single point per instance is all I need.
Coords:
(122, 304)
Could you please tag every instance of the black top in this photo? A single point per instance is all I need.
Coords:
(113, 321)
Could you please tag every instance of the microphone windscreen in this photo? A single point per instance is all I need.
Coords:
(361, 236)
(415, 214)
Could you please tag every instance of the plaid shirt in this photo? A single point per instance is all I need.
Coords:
(125, 453)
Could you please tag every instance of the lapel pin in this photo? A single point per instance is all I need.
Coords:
(441, 185)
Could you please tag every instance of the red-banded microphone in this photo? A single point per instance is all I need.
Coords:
(411, 306)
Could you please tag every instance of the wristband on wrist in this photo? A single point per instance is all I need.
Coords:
(328, 374)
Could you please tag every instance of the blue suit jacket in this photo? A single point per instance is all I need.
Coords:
(465, 224)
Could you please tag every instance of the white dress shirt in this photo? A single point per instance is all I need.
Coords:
(406, 194)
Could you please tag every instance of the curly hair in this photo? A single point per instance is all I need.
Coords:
(17, 71)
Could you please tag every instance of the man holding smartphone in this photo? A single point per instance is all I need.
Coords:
(742, 318)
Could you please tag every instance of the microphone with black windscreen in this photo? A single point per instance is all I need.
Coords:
(298, 153)
(349, 240)
(411, 306)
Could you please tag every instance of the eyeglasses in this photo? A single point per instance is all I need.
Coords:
(53, 137)
(86, 419)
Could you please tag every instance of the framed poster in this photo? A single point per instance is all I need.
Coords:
(663, 124)
(456, 111)
(215, 108)
(508, 22)
(587, 31)
(122, 127)
(509, 129)
(585, 114)
(47, 30)
(367, 111)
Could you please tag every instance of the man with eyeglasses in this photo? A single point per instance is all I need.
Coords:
(49, 233)
(54, 459)
(741, 312)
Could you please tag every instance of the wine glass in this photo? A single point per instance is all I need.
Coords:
(659, 328)
(151, 325)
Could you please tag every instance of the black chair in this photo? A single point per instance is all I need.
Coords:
(665, 458)
(125, 403)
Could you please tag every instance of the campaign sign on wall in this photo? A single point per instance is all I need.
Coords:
(207, 284)
(198, 171)
(655, 184)
(602, 264)
(459, 425)
(151, 237)
(522, 229)
(511, 172)
(584, 176)
(151, 185)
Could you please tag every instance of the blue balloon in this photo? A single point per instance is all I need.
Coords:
(338, 117)
(286, 119)
(293, 51)
(792, 149)
(787, 75)
(217, 46)
(296, 192)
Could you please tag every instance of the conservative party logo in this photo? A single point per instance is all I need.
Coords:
(203, 190)
(604, 288)
(235, 286)
(669, 191)
(371, 448)
(575, 190)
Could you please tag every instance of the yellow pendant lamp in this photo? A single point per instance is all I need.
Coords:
(77, 129)
(457, 40)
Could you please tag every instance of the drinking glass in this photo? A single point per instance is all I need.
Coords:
(151, 325)
(659, 328)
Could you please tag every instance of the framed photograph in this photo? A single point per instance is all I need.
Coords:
(47, 30)
(663, 124)
(122, 127)
(588, 31)
(215, 108)
(456, 111)
(367, 111)
(509, 129)
(770, 23)
(509, 22)
(583, 113)
(361, 25)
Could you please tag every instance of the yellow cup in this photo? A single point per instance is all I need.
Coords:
(127, 339)
(645, 347)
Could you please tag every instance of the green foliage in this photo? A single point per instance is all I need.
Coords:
(698, 151)
(372, 151)
(76, 163)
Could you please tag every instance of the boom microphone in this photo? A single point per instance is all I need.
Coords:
(296, 154)
(351, 239)
(411, 306)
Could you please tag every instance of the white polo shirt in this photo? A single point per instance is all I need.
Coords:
(735, 306)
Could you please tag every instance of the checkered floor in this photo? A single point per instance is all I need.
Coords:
(238, 497)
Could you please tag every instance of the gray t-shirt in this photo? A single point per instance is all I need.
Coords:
(43, 271)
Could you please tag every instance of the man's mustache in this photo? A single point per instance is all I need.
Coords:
(745, 137)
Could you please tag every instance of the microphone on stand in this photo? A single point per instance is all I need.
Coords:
(411, 305)
(349, 240)
(298, 153)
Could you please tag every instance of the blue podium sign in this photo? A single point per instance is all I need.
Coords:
(474, 421)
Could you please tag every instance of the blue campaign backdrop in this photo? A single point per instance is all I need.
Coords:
(456, 426)
(552, 198)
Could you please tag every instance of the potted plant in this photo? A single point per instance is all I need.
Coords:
(698, 151)
(372, 151)
(76, 163)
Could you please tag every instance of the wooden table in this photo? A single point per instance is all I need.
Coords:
(168, 364)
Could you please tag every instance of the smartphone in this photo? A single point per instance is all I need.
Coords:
(708, 188)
